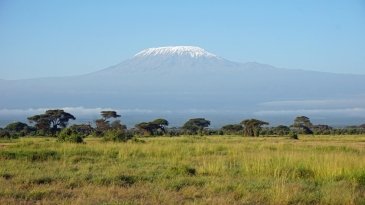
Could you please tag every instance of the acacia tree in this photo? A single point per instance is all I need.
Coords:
(117, 125)
(51, 120)
(281, 130)
(252, 127)
(103, 124)
(82, 129)
(302, 124)
(161, 124)
(321, 129)
(232, 129)
(146, 128)
(109, 114)
(152, 128)
(18, 128)
(196, 125)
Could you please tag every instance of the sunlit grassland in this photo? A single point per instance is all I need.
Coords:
(185, 170)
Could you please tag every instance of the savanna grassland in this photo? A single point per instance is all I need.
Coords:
(184, 170)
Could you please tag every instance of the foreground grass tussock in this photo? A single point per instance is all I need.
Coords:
(184, 170)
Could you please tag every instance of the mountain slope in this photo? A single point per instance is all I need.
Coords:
(183, 78)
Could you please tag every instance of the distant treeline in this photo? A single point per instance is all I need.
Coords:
(55, 123)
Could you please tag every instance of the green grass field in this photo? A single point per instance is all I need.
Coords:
(184, 170)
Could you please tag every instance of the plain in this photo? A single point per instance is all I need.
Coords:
(184, 170)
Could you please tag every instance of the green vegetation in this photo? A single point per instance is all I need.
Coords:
(70, 135)
(253, 127)
(54, 123)
(156, 127)
(186, 169)
(195, 126)
(51, 121)
(107, 163)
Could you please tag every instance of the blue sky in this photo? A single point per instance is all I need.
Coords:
(68, 37)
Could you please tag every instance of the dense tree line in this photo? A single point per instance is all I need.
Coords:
(110, 128)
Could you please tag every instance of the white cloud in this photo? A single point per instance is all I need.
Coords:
(82, 111)
(34, 111)
(346, 112)
(317, 103)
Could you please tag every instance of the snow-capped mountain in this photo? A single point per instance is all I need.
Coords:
(173, 60)
(189, 81)
(179, 51)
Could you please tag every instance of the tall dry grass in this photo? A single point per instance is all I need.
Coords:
(185, 170)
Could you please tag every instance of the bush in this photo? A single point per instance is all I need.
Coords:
(83, 130)
(19, 129)
(5, 134)
(294, 136)
(69, 135)
(117, 135)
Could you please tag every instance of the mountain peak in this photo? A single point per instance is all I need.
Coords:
(191, 51)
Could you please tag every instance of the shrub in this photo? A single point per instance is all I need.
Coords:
(19, 129)
(117, 135)
(4, 134)
(83, 130)
(69, 135)
(294, 136)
